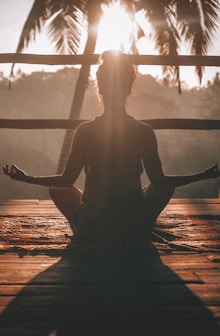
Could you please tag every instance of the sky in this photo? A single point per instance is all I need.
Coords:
(13, 14)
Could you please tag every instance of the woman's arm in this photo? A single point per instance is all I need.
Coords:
(53, 181)
(153, 167)
(70, 173)
(178, 181)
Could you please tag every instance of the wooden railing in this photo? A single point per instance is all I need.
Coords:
(182, 60)
(190, 124)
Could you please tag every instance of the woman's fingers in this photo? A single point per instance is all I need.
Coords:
(13, 170)
(10, 171)
(5, 169)
(216, 169)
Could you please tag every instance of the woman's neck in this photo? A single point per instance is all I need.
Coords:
(114, 107)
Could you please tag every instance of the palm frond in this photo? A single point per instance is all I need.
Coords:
(161, 15)
(198, 21)
(42, 11)
(34, 23)
(65, 30)
(67, 6)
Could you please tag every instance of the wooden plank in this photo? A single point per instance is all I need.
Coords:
(18, 201)
(209, 294)
(210, 277)
(49, 202)
(161, 312)
(192, 262)
(194, 201)
(156, 296)
(159, 124)
(27, 259)
(50, 289)
(195, 267)
(180, 289)
(47, 207)
(183, 60)
(185, 258)
(192, 209)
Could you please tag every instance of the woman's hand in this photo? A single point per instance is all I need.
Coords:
(14, 172)
(212, 172)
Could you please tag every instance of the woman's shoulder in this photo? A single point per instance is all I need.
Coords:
(142, 126)
(87, 129)
(85, 126)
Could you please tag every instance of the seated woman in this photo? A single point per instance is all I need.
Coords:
(113, 149)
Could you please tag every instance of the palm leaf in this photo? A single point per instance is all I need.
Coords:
(65, 29)
(65, 15)
(161, 15)
(34, 23)
(198, 21)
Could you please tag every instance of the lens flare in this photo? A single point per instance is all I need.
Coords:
(116, 29)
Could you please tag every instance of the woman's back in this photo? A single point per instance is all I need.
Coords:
(113, 160)
(113, 204)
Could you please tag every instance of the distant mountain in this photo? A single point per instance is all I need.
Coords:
(49, 95)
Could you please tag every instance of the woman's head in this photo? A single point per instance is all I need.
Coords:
(115, 75)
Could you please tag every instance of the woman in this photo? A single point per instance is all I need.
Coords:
(113, 149)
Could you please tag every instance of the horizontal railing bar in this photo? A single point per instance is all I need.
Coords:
(190, 124)
(183, 60)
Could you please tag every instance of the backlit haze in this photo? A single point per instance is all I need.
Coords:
(14, 13)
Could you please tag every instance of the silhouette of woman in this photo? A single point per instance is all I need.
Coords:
(113, 149)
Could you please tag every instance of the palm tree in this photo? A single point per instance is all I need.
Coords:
(172, 21)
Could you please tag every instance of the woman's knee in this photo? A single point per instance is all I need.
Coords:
(67, 201)
(71, 195)
(157, 199)
(53, 192)
(169, 191)
(153, 191)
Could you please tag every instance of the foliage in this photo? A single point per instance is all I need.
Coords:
(172, 21)
(193, 21)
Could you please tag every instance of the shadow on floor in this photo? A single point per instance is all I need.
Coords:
(107, 292)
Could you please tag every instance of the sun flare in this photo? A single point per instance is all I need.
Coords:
(116, 29)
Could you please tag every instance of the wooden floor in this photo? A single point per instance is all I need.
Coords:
(171, 288)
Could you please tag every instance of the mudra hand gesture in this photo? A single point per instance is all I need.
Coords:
(212, 172)
(14, 172)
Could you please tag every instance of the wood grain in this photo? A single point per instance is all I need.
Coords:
(172, 288)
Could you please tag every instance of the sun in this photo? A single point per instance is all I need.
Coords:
(116, 29)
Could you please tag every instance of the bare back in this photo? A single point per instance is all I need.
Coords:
(113, 161)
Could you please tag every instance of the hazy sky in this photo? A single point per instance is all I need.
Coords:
(13, 14)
